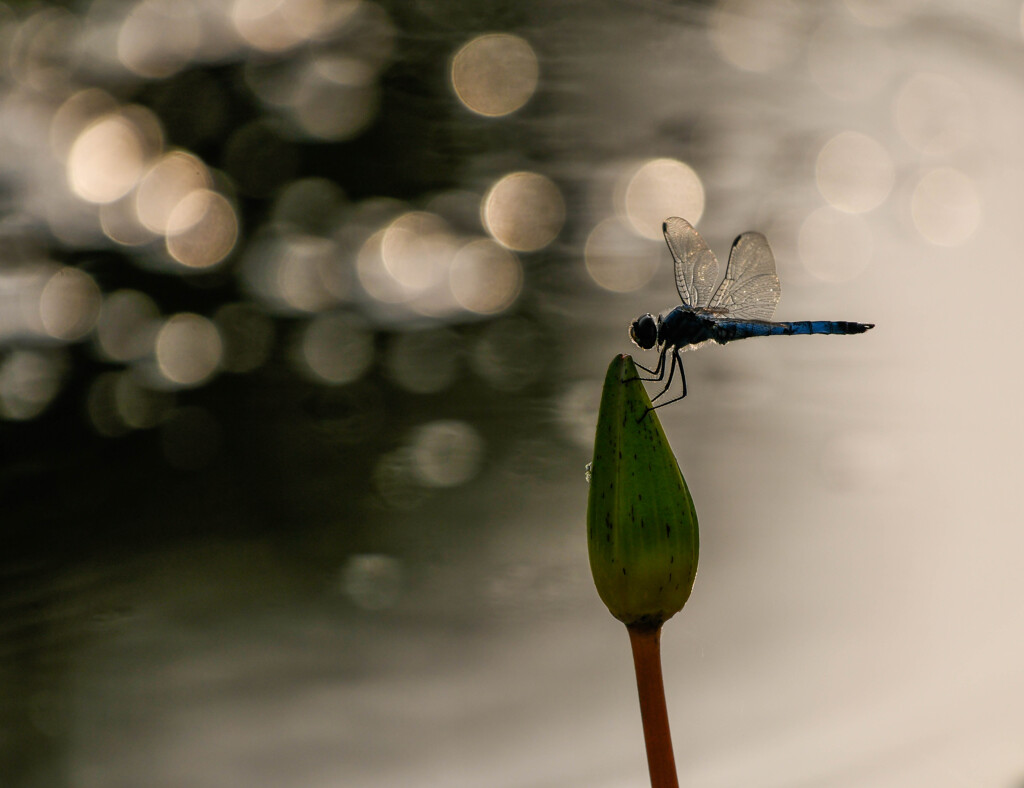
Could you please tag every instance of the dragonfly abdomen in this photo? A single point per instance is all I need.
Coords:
(729, 330)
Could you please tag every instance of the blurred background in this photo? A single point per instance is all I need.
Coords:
(304, 310)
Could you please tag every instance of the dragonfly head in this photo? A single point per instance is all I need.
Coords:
(644, 331)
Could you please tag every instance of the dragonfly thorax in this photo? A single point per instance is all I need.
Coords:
(682, 326)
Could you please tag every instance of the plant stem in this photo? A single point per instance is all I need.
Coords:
(646, 644)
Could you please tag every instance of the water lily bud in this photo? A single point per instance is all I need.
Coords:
(641, 524)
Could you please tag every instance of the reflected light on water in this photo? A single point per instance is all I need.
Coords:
(337, 348)
(336, 97)
(417, 249)
(101, 406)
(755, 36)
(29, 381)
(106, 160)
(495, 74)
(657, 189)
(277, 25)
(74, 115)
(120, 222)
(485, 278)
(301, 264)
(523, 211)
(127, 325)
(854, 172)
(372, 581)
(188, 349)
(577, 411)
(395, 481)
(159, 37)
(446, 453)
(945, 207)
(374, 275)
(117, 404)
(140, 407)
(617, 259)
(934, 114)
(69, 304)
(833, 245)
(202, 229)
(424, 362)
(166, 184)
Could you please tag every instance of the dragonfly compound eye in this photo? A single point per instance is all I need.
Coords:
(644, 332)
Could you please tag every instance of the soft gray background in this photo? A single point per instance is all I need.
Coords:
(263, 581)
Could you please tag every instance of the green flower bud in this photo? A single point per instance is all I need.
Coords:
(641, 524)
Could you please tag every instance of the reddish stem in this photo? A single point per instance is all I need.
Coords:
(646, 644)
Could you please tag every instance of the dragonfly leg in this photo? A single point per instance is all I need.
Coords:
(658, 371)
(671, 372)
(675, 360)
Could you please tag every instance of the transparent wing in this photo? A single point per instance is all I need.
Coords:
(695, 263)
(751, 287)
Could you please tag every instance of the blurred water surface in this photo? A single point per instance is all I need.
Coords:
(304, 309)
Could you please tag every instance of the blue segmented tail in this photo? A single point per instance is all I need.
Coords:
(727, 331)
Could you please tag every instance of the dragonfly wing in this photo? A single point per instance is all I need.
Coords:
(696, 265)
(751, 287)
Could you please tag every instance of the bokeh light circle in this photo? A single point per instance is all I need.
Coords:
(495, 74)
(188, 349)
(658, 189)
(372, 581)
(165, 185)
(337, 348)
(29, 381)
(753, 35)
(617, 259)
(201, 229)
(424, 362)
(69, 304)
(854, 172)
(446, 453)
(523, 211)
(127, 325)
(106, 160)
(486, 278)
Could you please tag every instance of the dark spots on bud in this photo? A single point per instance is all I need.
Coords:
(640, 496)
(634, 455)
(677, 586)
(620, 455)
(608, 538)
(660, 589)
(641, 522)
(670, 577)
(668, 530)
(671, 559)
(623, 570)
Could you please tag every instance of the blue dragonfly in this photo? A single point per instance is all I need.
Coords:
(742, 306)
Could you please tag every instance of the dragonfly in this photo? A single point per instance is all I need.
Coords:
(741, 306)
